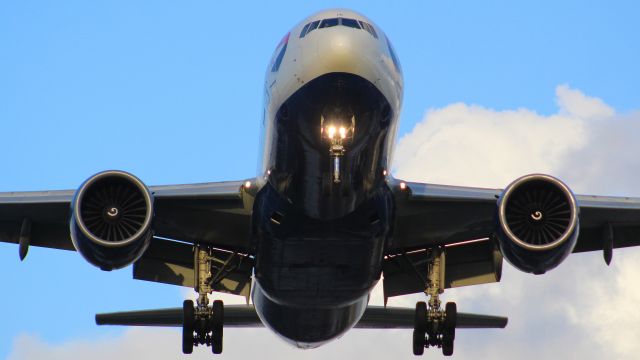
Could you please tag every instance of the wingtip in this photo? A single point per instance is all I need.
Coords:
(99, 319)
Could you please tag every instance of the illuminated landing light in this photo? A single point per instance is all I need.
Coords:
(247, 184)
(343, 133)
(331, 132)
(403, 186)
(384, 172)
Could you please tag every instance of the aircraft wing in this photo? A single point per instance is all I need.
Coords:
(463, 219)
(41, 216)
(212, 213)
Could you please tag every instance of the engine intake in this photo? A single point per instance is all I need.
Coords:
(111, 219)
(538, 223)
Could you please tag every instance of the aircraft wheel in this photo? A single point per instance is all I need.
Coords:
(217, 327)
(420, 319)
(450, 318)
(419, 328)
(188, 318)
(449, 329)
(418, 342)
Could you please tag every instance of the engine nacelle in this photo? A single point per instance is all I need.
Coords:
(111, 216)
(538, 223)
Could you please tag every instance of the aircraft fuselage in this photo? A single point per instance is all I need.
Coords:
(333, 93)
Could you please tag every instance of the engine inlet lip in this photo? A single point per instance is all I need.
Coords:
(504, 199)
(106, 174)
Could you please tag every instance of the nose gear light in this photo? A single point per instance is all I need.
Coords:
(337, 133)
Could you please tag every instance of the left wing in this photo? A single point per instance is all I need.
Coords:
(464, 221)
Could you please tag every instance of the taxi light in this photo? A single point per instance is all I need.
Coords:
(331, 132)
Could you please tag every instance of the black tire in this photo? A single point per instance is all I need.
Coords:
(447, 346)
(418, 342)
(450, 319)
(449, 330)
(420, 319)
(217, 327)
(188, 318)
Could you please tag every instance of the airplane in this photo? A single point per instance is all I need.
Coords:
(324, 220)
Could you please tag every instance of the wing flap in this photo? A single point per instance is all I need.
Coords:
(467, 263)
(172, 262)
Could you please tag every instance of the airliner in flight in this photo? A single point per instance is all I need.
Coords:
(323, 221)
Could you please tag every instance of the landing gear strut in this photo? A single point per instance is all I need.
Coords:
(202, 325)
(433, 326)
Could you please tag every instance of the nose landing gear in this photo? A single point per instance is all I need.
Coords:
(433, 326)
(336, 151)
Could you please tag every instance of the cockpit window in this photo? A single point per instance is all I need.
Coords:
(313, 26)
(304, 30)
(329, 23)
(309, 28)
(369, 29)
(350, 23)
(326, 23)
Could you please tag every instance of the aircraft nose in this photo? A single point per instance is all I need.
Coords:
(343, 50)
(340, 53)
(337, 53)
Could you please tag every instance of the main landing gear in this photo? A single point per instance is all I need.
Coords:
(202, 325)
(434, 327)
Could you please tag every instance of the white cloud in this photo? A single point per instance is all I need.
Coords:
(582, 309)
(582, 303)
(585, 143)
(574, 103)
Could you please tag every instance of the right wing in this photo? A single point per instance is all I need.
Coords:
(215, 213)
(218, 214)
(43, 214)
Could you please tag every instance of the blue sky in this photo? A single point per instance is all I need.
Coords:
(172, 93)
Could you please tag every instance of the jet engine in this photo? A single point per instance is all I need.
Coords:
(538, 223)
(111, 216)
